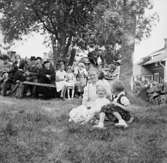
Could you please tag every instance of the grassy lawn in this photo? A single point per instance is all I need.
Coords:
(34, 131)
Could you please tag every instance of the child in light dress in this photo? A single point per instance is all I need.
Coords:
(85, 113)
(70, 82)
(89, 94)
(81, 78)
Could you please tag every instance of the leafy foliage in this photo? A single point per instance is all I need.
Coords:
(82, 22)
(63, 19)
(109, 24)
(109, 21)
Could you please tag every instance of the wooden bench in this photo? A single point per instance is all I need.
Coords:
(22, 85)
(39, 84)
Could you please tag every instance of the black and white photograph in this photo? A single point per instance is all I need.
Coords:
(83, 81)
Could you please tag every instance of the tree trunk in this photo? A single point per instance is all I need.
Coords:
(60, 47)
(128, 45)
(55, 50)
(72, 57)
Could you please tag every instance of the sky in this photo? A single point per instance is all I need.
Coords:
(33, 45)
(159, 32)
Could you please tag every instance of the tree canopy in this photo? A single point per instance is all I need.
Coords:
(86, 23)
(109, 24)
(62, 19)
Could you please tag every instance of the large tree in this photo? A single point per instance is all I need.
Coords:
(135, 26)
(122, 22)
(62, 19)
(85, 22)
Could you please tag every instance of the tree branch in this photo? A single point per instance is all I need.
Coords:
(42, 21)
(68, 44)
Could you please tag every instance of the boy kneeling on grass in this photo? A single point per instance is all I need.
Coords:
(117, 109)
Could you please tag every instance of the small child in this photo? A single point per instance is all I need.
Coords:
(118, 109)
(84, 113)
(70, 79)
(81, 78)
(89, 94)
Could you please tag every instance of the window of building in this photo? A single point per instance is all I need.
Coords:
(149, 77)
(156, 77)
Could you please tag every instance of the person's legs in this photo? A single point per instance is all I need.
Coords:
(68, 92)
(121, 122)
(63, 92)
(111, 111)
(101, 120)
(5, 88)
(72, 96)
(105, 111)
(125, 115)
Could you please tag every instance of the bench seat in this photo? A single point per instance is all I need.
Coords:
(39, 84)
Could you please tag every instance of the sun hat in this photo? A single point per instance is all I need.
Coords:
(81, 65)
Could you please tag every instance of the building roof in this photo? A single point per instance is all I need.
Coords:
(157, 56)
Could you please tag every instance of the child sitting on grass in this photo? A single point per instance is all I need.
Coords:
(84, 113)
(118, 109)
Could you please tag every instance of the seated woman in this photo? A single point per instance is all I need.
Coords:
(61, 80)
(46, 75)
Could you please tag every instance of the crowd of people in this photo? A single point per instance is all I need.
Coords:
(101, 100)
(68, 80)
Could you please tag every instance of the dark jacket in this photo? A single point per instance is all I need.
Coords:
(43, 76)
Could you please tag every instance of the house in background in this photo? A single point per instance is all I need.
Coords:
(154, 66)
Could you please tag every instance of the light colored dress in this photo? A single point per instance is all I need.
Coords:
(89, 94)
(81, 78)
(61, 75)
(83, 114)
(70, 80)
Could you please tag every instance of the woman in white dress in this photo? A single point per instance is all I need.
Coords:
(61, 80)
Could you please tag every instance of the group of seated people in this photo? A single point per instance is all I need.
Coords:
(101, 100)
(68, 81)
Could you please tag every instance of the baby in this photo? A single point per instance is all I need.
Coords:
(84, 113)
